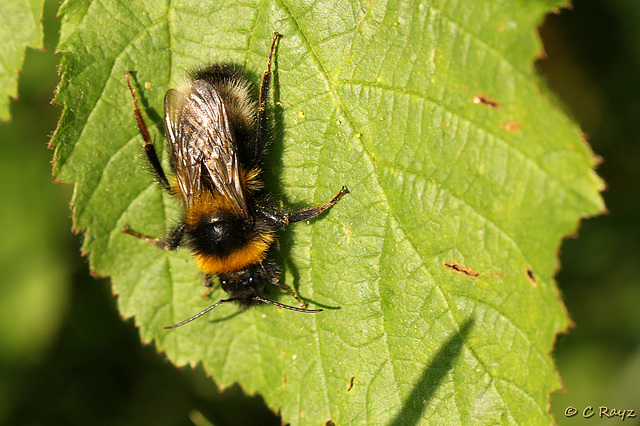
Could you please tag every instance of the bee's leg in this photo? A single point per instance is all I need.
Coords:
(170, 242)
(149, 149)
(277, 219)
(311, 212)
(208, 283)
(272, 274)
(265, 84)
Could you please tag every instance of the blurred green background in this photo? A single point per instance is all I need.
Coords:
(593, 66)
(66, 357)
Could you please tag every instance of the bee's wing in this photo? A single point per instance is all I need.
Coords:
(203, 151)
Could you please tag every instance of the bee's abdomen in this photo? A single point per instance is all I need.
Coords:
(224, 244)
(219, 235)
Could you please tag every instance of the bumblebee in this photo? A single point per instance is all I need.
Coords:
(217, 134)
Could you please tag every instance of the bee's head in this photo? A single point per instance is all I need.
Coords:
(244, 285)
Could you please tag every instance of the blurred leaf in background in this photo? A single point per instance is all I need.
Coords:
(34, 271)
(593, 65)
(20, 27)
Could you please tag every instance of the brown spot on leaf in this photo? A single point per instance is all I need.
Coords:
(511, 126)
(350, 386)
(462, 270)
(532, 278)
(485, 100)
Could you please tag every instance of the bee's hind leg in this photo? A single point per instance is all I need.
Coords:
(149, 149)
(170, 242)
(311, 212)
(273, 275)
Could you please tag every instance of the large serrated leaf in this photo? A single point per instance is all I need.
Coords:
(436, 272)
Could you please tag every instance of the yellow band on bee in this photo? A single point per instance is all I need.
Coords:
(251, 253)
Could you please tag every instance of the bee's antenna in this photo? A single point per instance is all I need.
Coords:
(198, 315)
(291, 308)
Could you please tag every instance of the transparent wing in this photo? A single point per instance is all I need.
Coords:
(202, 149)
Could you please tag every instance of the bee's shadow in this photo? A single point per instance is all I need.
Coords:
(226, 318)
(273, 181)
(273, 175)
(150, 111)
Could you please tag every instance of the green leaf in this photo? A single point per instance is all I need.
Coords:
(20, 27)
(436, 272)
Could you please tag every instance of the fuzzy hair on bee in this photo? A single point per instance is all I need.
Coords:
(217, 133)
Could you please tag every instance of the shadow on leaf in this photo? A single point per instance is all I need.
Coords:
(431, 378)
